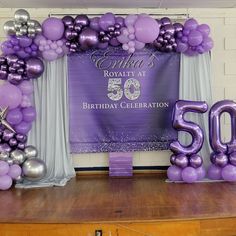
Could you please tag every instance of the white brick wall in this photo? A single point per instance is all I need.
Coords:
(223, 25)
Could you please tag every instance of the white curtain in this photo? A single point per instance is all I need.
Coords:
(195, 85)
(50, 133)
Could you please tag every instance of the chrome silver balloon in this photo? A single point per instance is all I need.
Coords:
(38, 29)
(31, 35)
(22, 15)
(17, 25)
(18, 33)
(17, 156)
(4, 156)
(9, 27)
(30, 151)
(23, 30)
(19, 179)
(31, 30)
(31, 23)
(34, 169)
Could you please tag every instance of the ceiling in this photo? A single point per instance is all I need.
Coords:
(117, 3)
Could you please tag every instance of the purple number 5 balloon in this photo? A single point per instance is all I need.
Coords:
(180, 124)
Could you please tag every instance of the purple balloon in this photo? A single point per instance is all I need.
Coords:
(82, 20)
(214, 172)
(29, 114)
(21, 146)
(229, 173)
(13, 142)
(94, 23)
(130, 20)
(207, 44)
(11, 59)
(107, 20)
(24, 41)
(49, 55)
(10, 96)
(26, 87)
(3, 75)
(14, 171)
(201, 173)
(14, 78)
(204, 29)
(191, 24)
(195, 161)
(68, 20)
(88, 38)
(120, 20)
(14, 116)
(34, 68)
(181, 47)
(214, 126)
(53, 28)
(174, 173)
(146, 29)
(221, 160)
(181, 161)
(102, 45)
(114, 42)
(23, 127)
(195, 38)
(4, 168)
(180, 124)
(169, 29)
(189, 175)
(5, 182)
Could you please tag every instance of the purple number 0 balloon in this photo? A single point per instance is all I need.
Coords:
(214, 126)
(180, 124)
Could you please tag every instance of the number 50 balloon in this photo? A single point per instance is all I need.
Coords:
(180, 124)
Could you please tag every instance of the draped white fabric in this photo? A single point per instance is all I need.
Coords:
(50, 131)
(195, 85)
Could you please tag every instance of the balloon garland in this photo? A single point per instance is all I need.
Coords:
(29, 44)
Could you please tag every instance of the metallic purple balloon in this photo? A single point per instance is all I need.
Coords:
(82, 20)
(34, 68)
(180, 124)
(195, 161)
(14, 78)
(11, 59)
(232, 158)
(172, 159)
(181, 161)
(119, 20)
(21, 138)
(7, 135)
(21, 146)
(3, 75)
(213, 157)
(88, 38)
(169, 29)
(221, 160)
(178, 27)
(4, 147)
(68, 20)
(214, 126)
(94, 23)
(13, 142)
(70, 34)
(165, 21)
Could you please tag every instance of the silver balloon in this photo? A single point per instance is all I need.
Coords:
(17, 156)
(17, 25)
(10, 162)
(23, 30)
(18, 33)
(22, 15)
(30, 151)
(31, 23)
(38, 29)
(31, 30)
(9, 27)
(4, 156)
(34, 169)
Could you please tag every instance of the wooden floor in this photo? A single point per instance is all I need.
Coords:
(142, 205)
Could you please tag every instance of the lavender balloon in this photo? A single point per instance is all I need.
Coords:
(174, 173)
(5, 182)
(14, 116)
(214, 172)
(229, 173)
(189, 175)
(201, 172)
(4, 168)
(107, 20)
(53, 28)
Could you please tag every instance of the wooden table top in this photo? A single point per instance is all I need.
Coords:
(104, 199)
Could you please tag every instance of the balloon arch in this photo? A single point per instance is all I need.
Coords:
(29, 44)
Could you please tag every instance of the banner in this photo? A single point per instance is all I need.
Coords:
(121, 102)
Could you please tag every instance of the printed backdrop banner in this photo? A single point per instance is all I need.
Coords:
(121, 102)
